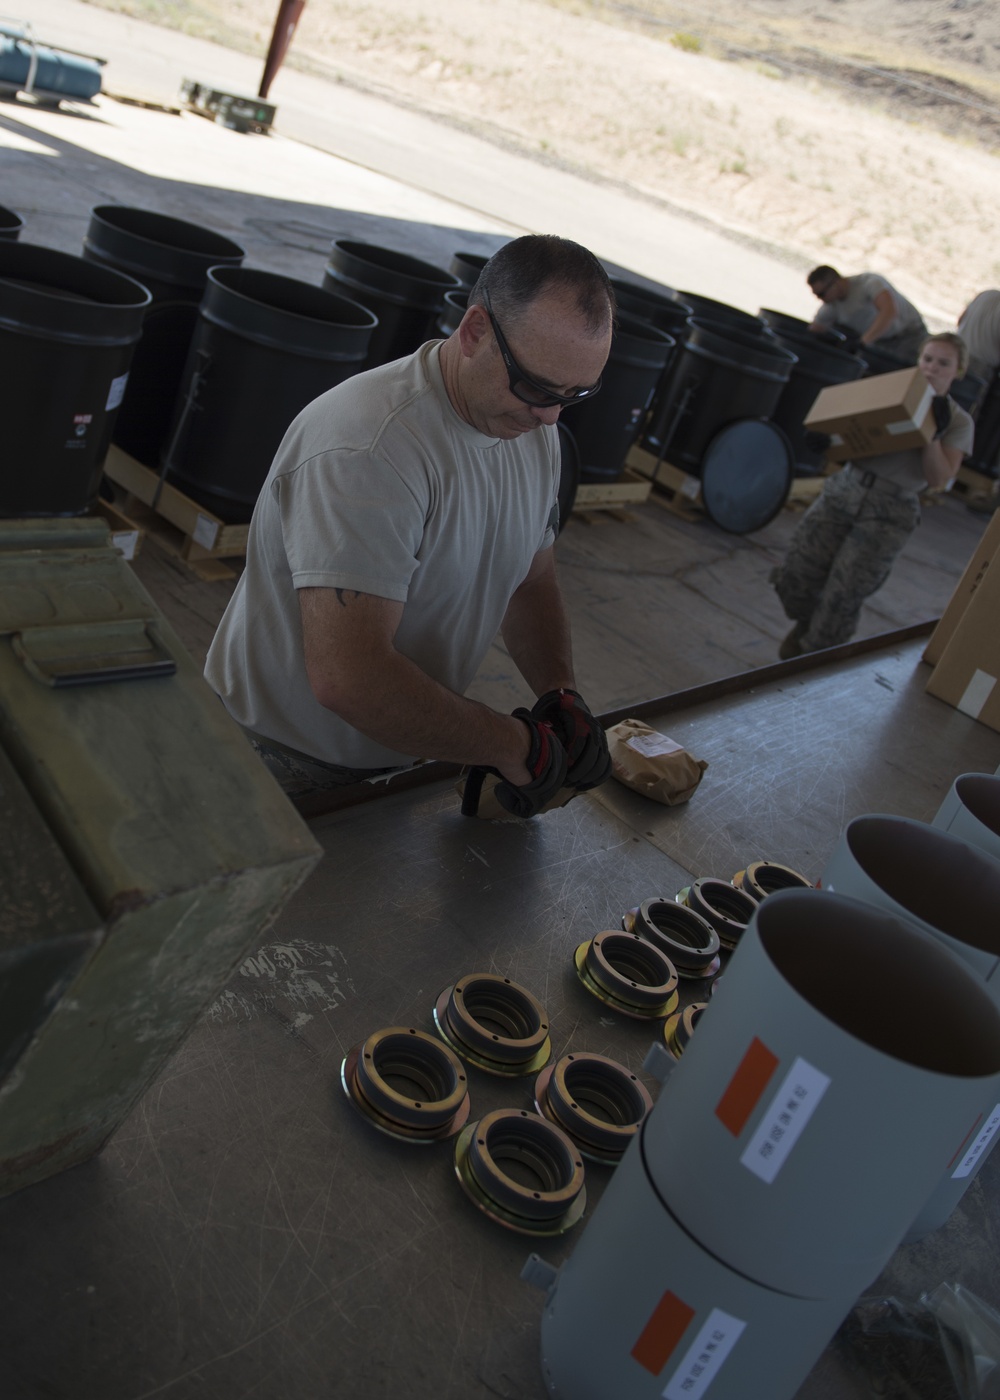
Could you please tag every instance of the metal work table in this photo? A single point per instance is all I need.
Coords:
(247, 1234)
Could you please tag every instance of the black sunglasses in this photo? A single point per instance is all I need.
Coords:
(522, 386)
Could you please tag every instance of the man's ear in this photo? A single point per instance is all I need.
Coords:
(473, 329)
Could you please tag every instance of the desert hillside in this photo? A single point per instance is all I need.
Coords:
(864, 133)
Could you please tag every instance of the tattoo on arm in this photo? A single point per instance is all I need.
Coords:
(343, 594)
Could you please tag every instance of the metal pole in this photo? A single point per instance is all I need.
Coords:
(289, 13)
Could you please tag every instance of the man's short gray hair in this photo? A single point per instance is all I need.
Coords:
(526, 267)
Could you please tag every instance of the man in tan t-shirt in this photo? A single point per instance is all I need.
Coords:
(868, 306)
(408, 516)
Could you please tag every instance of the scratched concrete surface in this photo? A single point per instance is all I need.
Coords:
(246, 1234)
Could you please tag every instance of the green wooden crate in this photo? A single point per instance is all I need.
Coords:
(168, 825)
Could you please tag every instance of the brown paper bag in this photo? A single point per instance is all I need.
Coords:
(652, 764)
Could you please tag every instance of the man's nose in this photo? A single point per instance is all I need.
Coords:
(549, 413)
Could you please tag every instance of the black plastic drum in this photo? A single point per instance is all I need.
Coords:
(661, 307)
(882, 361)
(746, 474)
(68, 330)
(719, 374)
(985, 455)
(969, 393)
(455, 306)
(467, 267)
(171, 258)
(780, 321)
(707, 309)
(606, 426)
(264, 347)
(406, 294)
(569, 474)
(819, 364)
(11, 224)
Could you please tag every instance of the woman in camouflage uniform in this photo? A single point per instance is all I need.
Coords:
(847, 542)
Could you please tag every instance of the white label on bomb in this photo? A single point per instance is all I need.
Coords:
(784, 1119)
(975, 1153)
(703, 1359)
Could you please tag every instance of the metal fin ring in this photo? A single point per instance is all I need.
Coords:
(494, 1023)
(383, 1076)
(687, 938)
(597, 1101)
(679, 1029)
(557, 1198)
(763, 877)
(629, 974)
(727, 909)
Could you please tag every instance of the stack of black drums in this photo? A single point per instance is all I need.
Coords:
(712, 413)
(160, 340)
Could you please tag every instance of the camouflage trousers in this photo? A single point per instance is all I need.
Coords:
(841, 552)
(300, 775)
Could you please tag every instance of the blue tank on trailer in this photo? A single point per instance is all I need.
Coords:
(43, 71)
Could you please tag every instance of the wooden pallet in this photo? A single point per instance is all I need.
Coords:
(607, 500)
(805, 489)
(974, 485)
(126, 533)
(198, 537)
(672, 488)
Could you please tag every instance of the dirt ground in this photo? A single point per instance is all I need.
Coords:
(777, 118)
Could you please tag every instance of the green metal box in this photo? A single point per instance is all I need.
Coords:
(161, 846)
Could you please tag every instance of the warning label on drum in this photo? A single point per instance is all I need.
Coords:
(983, 1139)
(116, 392)
(784, 1119)
(703, 1360)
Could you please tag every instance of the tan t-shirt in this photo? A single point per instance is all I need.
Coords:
(980, 329)
(858, 309)
(906, 468)
(380, 487)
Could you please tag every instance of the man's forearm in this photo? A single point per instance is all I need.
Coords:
(355, 670)
(938, 467)
(536, 632)
(884, 317)
(397, 704)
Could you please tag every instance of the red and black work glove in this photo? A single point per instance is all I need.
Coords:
(581, 736)
(546, 762)
(941, 409)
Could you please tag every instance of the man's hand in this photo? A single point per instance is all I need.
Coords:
(546, 764)
(941, 409)
(581, 736)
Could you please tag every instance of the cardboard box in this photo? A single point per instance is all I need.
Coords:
(987, 550)
(887, 413)
(968, 673)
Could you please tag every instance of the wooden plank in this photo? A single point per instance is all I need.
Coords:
(805, 489)
(204, 529)
(126, 534)
(630, 490)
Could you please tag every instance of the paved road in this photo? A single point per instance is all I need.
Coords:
(513, 192)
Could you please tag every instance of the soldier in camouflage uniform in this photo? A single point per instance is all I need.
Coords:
(846, 543)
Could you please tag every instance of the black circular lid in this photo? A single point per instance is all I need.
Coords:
(746, 474)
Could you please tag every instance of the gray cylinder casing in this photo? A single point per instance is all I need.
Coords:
(971, 811)
(952, 890)
(640, 1311)
(929, 876)
(808, 1121)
